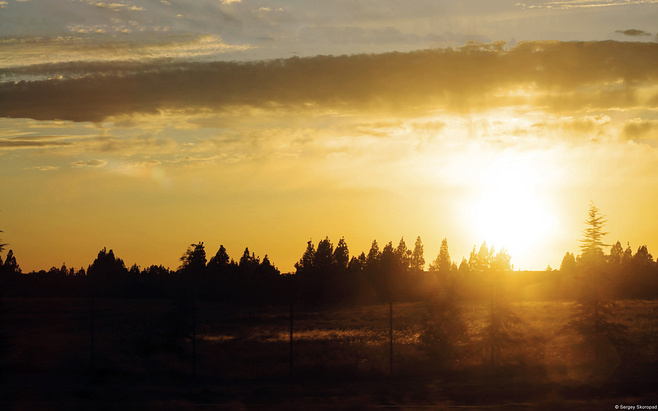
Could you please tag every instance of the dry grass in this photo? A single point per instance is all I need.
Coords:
(347, 346)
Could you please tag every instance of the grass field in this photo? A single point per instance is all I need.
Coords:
(340, 357)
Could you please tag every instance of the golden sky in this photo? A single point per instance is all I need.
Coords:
(146, 126)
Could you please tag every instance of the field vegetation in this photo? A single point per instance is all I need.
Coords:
(340, 356)
(372, 330)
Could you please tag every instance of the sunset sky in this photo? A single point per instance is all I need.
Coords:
(144, 126)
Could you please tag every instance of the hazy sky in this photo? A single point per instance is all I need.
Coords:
(145, 126)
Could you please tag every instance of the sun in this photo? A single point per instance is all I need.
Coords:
(509, 208)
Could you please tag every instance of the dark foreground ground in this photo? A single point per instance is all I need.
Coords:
(143, 359)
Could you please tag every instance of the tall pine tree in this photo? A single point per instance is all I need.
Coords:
(593, 315)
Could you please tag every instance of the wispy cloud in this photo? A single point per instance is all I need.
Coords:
(633, 32)
(89, 163)
(19, 55)
(582, 4)
(116, 6)
(42, 168)
(19, 143)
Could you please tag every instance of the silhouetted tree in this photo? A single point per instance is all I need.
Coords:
(156, 271)
(358, 285)
(4, 344)
(248, 266)
(489, 272)
(464, 268)
(444, 333)
(305, 264)
(417, 257)
(499, 333)
(480, 261)
(194, 259)
(222, 280)
(568, 264)
(592, 318)
(343, 285)
(193, 269)
(10, 266)
(342, 256)
(373, 270)
(107, 274)
(134, 271)
(640, 278)
(403, 254)
(323, 260)
(501, 262)
(357, 264)
(442, 264)
(389, 264)
(220, 261)
(642, 257)
(372, 259)
(616, 254)
(266, 269)
(627, 257)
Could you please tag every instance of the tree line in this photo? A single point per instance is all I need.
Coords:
(328, 273)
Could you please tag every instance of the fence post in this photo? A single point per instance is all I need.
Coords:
(390, 317)
(291, 336)
(92, 313)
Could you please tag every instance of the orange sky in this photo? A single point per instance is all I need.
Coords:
(147, 143)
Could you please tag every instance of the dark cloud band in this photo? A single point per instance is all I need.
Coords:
(559, 76)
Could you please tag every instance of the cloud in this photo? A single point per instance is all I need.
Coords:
(17, 143)
(89, 163)
(342, 34)
(41, 56)
(585, 4)
(638, 128)
(116, 6)
(633, 32)
(42, 168)
(558, 76)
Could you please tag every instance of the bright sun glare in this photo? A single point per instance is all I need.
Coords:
(507, 210)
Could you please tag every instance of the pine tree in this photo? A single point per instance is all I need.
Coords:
(220, 261)
(499, 333)
(442, 263)
(594, 306)
(342, 256)
(193, 268)
(323, 260)
(417, 258)
(372, 259)
(616, 253)
(403, 254)
(194, 259)
(10, 265)
(568, 264)
(627, 257)
(305, 265)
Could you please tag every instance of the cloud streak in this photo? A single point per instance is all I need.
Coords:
(587, 4)
(34, 54)
(6, 143)
(596, 75)
(89, 163)
(633, 32)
